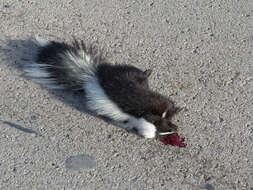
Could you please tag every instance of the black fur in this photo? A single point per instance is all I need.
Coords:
(128, 87)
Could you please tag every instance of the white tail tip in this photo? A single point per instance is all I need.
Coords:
(40, 42)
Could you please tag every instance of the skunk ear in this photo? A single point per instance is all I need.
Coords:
(171, 112)
(179, 109)
(148, 72)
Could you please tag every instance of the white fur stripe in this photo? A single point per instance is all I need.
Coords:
(100, 103)
(146, 129)
(80, 62)
(35, 70)
(37, 73)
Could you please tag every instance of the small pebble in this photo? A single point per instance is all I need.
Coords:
(14, 169)
(33, 117)
(195, 50)
(221, 119)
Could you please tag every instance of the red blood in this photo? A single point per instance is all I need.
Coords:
(173, 140)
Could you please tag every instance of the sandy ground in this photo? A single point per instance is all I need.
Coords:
(201, 53)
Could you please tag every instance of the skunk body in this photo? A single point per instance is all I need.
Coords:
(118, 92)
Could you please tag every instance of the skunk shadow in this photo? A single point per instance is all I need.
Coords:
(17, 53)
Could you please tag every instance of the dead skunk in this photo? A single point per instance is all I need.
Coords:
(118, 92)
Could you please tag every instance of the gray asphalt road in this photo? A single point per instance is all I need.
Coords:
(201, 56)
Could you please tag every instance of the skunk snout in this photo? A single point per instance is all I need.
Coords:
(165, 127)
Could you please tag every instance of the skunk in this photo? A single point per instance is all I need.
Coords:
(120, 93)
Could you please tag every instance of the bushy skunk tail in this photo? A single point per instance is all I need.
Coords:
(61, 66)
